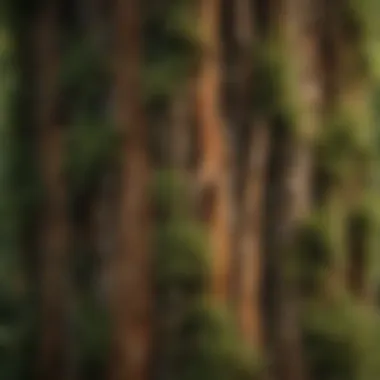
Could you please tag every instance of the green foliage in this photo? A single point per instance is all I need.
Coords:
(12, 281)
(362, 218)
(170, 51)
(268, 92)
(200, 341)
(340, 342)
(181, 258)
(336, 148)
(314, 253)
(92, 148)
(180, 21)
(84, 77)
(93, 338)
(210, 348)
(171, 196)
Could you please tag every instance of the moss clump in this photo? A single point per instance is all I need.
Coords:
(92, 148)
(171, 196)
(181, 256)
(336, 148)
(362, 219)
(93, 338)
(314, 253)
(210, 348)
(340, 342)
(171, 51)
(200, 342)
(267, 80)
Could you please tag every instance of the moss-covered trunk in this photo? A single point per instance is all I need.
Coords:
(300, 39)
(347, 99)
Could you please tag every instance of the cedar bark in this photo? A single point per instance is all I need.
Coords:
(213, 171)
(54, 229)
(131, 293)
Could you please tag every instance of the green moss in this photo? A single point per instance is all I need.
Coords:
(93, 336)
(171, 196)
(314, 253)
(210, 348)
(181, 259)
(171, 51)
(270, 92)
(266, 79)
(362, 219)
(91, 148)
(84, 76)
(199, 341)
(180, 20)
(336, 147)
(353, 22)
(340, 342)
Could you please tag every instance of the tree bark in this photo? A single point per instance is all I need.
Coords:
(54, 229)
(301, 39)
(250, 237)
(131, 292)
(251, 163)
(214, 170)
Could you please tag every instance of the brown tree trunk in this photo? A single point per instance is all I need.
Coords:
(252, 156)
(347, 93)
(250, 237)
(214, 170)
(301, 39)
(289, 198)
(131, 293)
(54, 228)
(179, 144)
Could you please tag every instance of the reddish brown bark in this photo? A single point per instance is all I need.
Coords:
(131, 289)
(252, 156)
(214, 171)
(249, 296)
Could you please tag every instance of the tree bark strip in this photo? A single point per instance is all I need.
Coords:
(301, 39)
(131, 296)
(54, 228)
(251, 243)
(214, 170)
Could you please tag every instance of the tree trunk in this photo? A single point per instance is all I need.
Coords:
(179, 143)
(131, 293)
(54, 230)
(250, 237)
(214, 170)
(252, 156)
(301, 39)
(289, 200)
(347, 93)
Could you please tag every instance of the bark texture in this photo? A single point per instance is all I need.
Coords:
(131, 293)
(54, 227)
(213, 171)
